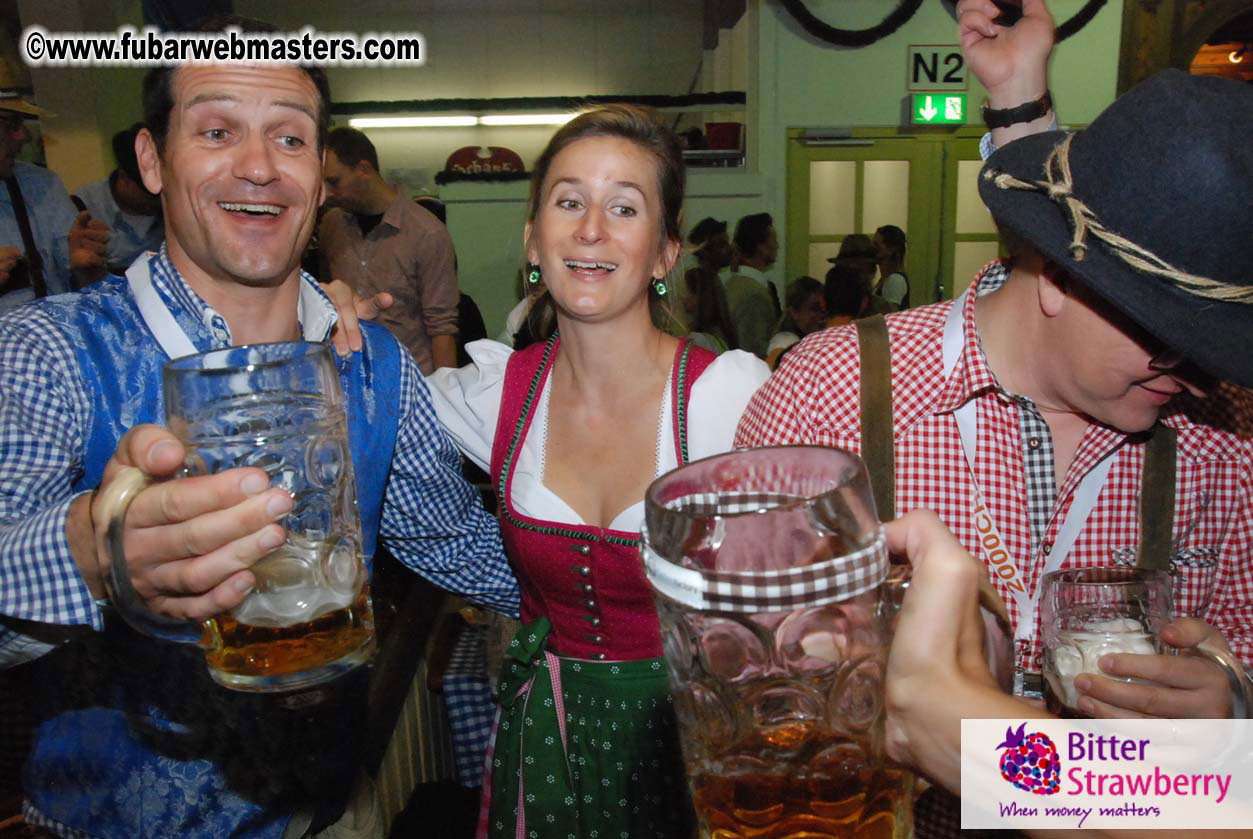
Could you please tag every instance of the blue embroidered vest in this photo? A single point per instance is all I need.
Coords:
(134, 738)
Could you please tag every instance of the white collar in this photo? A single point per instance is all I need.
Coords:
(753, 274)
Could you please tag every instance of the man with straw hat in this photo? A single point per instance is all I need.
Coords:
(44, 241)
(1083, 403)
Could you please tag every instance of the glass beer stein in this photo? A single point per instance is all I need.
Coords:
(769, 571)
(1086, 613)
(277, 407)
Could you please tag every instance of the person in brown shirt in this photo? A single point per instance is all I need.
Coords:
(376, 239)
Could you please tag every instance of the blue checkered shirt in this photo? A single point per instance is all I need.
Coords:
(125, 745)
(431, 520)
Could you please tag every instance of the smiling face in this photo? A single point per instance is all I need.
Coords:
(240, 175)
(597, 233)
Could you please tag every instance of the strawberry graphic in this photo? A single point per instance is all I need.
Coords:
(1029, 761)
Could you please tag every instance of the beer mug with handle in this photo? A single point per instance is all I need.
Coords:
(1087, 613)
(769, 569)
(277, 407)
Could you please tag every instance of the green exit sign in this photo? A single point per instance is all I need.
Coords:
(939, 108)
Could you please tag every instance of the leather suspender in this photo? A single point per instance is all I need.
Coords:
(1157, 479)
(1157, 500)
(34, 259)
(876, 413)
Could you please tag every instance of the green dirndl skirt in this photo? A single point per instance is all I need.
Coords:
(585, 749)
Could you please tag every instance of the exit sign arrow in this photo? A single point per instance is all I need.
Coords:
(939, 108)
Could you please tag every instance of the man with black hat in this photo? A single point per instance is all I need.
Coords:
(1066, 411)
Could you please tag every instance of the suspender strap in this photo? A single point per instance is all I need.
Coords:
(1157, 499)
(876, 412)
(34, 259)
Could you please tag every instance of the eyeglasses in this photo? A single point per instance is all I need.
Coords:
(1167, 361)
(1174, 364)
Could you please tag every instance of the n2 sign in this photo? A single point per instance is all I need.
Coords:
(936, 67)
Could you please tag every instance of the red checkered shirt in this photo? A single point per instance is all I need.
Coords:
(813, 399)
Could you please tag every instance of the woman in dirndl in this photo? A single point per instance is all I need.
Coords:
(572, 430)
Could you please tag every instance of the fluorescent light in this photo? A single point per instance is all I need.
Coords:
(526, 119)
(413, 122)
(460, 121)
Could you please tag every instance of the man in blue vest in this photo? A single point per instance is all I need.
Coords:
(133, 739)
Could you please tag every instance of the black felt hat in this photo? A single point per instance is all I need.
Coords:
(1168, 170)
(704, 230)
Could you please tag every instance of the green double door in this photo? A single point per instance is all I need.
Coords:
(926, 184)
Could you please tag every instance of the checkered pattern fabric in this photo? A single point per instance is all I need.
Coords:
(1037, 459)
(832, 581)
(432, 520)
(468, 703)
(813, 399)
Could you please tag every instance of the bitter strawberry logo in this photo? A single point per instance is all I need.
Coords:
(1029, 761)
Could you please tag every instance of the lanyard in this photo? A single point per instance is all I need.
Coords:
(994, 547)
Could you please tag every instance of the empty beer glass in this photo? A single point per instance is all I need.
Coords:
(277, 407)
(1086, 613)
(769, 570)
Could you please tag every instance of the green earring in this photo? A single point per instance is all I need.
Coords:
(659, 286)
(534, 276)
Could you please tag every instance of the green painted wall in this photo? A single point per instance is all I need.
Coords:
(804, 82)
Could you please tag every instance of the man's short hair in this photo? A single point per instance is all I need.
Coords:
(124, 152)
(158, 87)
(705, 230)
(751, 232)
(352, 146)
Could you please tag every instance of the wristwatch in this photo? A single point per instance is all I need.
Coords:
(1026, 112)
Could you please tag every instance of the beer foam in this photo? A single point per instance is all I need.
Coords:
(1080, 651)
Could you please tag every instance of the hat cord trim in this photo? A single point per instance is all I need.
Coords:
(1060, 188)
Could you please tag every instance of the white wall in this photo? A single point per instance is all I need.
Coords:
(502, 48)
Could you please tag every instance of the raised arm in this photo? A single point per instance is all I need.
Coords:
(1011, 62)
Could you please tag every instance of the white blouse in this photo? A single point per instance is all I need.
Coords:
(467, 402)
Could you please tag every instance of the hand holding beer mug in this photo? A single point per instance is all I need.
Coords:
(768, 567)
(1086, 613)
(277, 407)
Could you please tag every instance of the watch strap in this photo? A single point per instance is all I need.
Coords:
(1026, 112)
